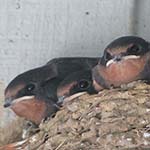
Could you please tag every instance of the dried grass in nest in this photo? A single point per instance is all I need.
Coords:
(116, 119)
(113, 119)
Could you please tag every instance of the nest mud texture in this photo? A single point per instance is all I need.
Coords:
(117, 119)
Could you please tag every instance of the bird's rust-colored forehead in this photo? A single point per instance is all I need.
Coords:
(12, 91)
(65, 89)
(118, 50)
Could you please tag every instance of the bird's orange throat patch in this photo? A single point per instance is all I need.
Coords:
(30, 109)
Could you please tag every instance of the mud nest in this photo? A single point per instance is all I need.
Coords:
(117, 119)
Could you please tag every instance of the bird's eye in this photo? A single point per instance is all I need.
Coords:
(30, 87)
(134, 49)
(83, 84)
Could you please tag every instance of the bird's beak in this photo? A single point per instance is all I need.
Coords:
(61, 99)
(110, 62)
(131, 57)
(114, 59)
(64, 99)
(119, 58)
(8, 102)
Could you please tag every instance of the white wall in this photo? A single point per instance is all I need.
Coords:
(34, 31)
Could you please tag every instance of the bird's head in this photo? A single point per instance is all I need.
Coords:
(123, 49)
(24, 94)
(80, 81)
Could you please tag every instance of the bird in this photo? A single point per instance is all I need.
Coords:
(79, 81)
(126, 59)
(33, 94)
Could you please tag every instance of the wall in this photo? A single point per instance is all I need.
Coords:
(34, 31)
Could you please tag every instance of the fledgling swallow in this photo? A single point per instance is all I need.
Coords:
(24, 94)
(80, 81)
(126, 59)
(33, 94)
